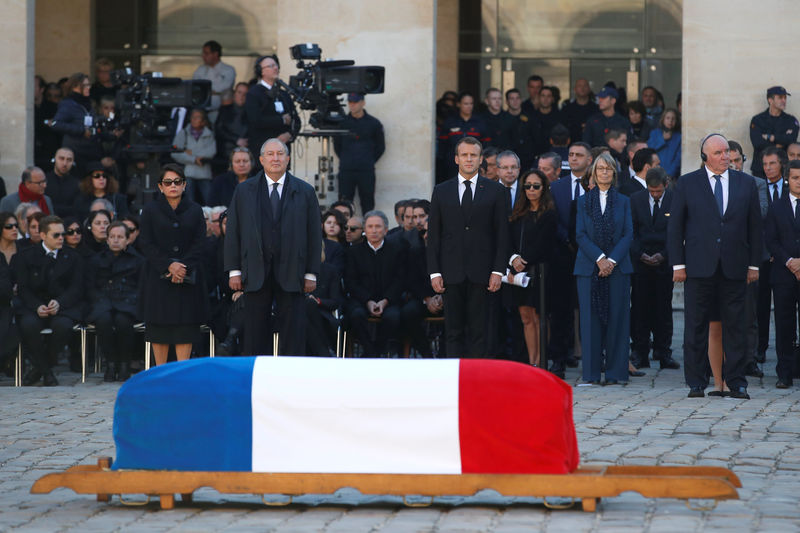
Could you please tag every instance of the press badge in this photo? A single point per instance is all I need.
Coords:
(279, 107)
(87, 121)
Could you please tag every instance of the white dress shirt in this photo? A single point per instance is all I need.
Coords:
(603, 201)
(795, 204)
(640, 180)
(572, 180)
(48, 250)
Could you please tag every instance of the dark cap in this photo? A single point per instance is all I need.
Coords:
(605, 92)
(355, 97)
(772, 91)
(95, 166)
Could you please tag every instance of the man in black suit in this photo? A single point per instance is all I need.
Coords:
(643, 161)
(422, 301)
(375, 279)
(782, 233)
(651, 283)
(49, 279)
(714, 242)
(269, 110)
(467, 248)
(272, 251)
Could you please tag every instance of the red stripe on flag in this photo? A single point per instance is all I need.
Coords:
(514, 419)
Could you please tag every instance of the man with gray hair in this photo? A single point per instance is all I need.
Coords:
(550, 164)
(272, 251)
(508, 172)
(375, 280)
(31, 189)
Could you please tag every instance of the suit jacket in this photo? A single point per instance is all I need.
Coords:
(329, 291)
(586, 236)
(764, 203)
(375, 276)
(264, 120)
(629, 186)
(301, 239)
(468, 249)
(701, 239)
(649, 236)
(782, 235)
(561, 189)
(39, 280)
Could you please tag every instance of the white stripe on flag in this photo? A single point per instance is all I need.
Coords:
(355, 416)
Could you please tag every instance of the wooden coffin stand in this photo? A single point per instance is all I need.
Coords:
(587, 484)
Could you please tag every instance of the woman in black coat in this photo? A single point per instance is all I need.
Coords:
(112, 283)
(75, 119)
(173, 298)
(533, 231)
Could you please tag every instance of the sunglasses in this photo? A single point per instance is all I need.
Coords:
(176, 181)
(352, 228)
(56, 235)
(99, 175)
(534, 186)
(75, 231)
(10, 226)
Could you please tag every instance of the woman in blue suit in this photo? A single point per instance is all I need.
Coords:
(603, 267)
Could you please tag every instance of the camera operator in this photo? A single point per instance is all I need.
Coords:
(75, 120)
(269, 110)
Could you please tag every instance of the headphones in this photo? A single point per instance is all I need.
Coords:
(703, 156)
(257, 66)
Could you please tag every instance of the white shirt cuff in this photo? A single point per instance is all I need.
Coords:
(310, 277)
(787, 261)
(678, 267)
(602, 256)
(511, 261)
(498, 273)
(234, 273)
(753, 268)
(612, 260)
(436, 275)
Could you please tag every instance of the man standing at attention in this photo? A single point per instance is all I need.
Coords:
(467, 249)
(772, 127)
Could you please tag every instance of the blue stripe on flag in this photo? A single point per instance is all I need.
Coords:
(192, 415)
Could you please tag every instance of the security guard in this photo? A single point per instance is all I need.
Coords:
(773, 127)
(462, 124)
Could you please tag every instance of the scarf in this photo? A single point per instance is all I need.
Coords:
(25, 196)
(604, 233)
(84, 101)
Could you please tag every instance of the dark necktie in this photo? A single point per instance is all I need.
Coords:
(466, 199)
(51, 255)
(797, 212)
(577, 192)
(718, 192)
(775, 195)
(510, 197)
(275, 201)
(655, 210)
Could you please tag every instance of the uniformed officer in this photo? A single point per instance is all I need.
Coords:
(605, 120)
(525, 132)
(462, 124)
(773, 127)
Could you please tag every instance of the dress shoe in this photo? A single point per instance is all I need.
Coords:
(720, 393)
(124, 371)
(696, 392)
(753, 370)
(50, 379)
(640, 360)
(109, 374)
(614, 382)
(669, 363)
(636, 374)
(781, 384)
(557, 368)
(31, 377)
(761, 357)
(740, 394)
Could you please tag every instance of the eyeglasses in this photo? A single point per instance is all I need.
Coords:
(57, 235)
(176, 181)
(73, 231)
(512, 167)
(352, 228)
(10, 226)
(534, 186)
(603, 169)
(38, 182)
(99, 175)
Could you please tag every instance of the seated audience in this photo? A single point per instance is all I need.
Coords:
(99, 184)
(354, 230)
(241, 166)
(333, 238)
(97, 230)
(320, 307)
(31, 190)
(34, 237)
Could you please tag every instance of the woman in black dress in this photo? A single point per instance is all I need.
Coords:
(173, 298)
(533, 230)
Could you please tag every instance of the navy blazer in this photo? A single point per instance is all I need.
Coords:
(649, 236)
(701, 239)
(782, 235)
(588, 251)
(561, 189)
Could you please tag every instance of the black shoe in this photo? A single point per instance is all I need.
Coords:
(720, 393)
(753, 370)
(614, 382)
(50, 379)
(781, 384)
(669, 363)
(109, 374)
(124, 371)
(557, 368)
(636, 374)
(761, 357)
(640, 360)
(31, 377)
(696, 392)
(572, 362)
(740, 394)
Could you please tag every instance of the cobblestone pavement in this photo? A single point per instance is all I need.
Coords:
(650, 421)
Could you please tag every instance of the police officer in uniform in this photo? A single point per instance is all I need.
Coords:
(773, 127)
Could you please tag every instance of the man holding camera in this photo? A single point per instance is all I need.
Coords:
(269, 110)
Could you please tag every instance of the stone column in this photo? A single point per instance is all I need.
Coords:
(16, 90)
(399, 36)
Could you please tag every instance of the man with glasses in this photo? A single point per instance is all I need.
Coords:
(269, 110)
(31, 189)
(50, 287)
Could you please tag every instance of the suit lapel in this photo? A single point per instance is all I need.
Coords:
(453, 192)
(708, 192)
(734, 188)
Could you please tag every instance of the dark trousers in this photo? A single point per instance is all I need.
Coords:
(701, 295)
(318, 338)
(764, 304)
(562, 301)
(413, 314)
(651, 312)
(116, 336)
(258, 322)
(364, 180)
(31, 325)
(787, 299)
(388, 328)
(612, 338)
(466, 319)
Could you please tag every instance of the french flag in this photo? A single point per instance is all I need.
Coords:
(321, 415)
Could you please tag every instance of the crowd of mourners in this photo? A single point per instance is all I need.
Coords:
(77, 248)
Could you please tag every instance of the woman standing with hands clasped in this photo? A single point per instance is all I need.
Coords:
(604, 230)
(533, 229)
(173, 298)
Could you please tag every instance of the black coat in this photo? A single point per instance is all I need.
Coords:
(63, 190)
(222, 188)
(329, 291)
(376, 275)
(169, 235)
(83, 202)
(39, 281)
(334, 255)
(112, 283)
(629, 185)
(8, 337)
(534, 242)
(649, 236)
(264, 121)
(69, 121)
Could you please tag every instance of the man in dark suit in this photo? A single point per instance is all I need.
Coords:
(375, 278)
(782, 233)
(651, 283)
(49, 278)
(643, 160)
(269, 110)
(714, 242)
(467, 249)
(272, 251)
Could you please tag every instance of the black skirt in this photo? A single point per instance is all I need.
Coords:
(172, 334)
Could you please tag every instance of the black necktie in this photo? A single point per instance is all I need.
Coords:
(655, 210)
(51, 255)
(466, 199)
(797, 212)
(275, 201)
(718, 194)
(775, 195)
(510, 197)
(577, 191)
